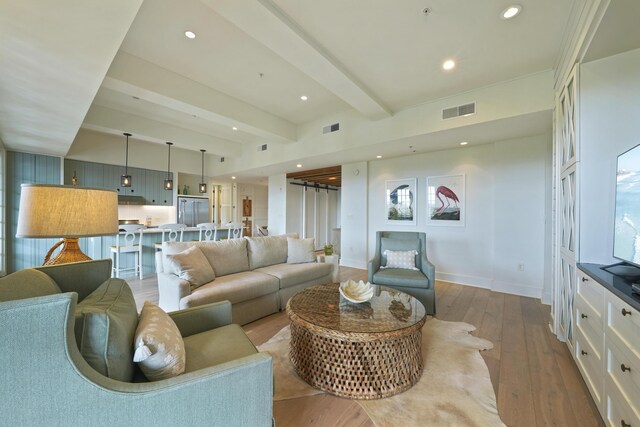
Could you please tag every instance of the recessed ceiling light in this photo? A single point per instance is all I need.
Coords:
(378, 157)
(298, 165)
(190, 34)
(304, 97)
(234, 128)
(464, 143)
(448, 64)
(233, 177)
(511, 11)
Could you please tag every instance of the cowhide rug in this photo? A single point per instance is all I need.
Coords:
(455, 388)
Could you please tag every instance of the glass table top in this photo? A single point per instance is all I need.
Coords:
(388, 310)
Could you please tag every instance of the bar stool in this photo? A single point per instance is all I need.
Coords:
(208, 232)
(235, 230)
(170, 233)
(132, 232)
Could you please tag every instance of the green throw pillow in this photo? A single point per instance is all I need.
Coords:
(106, 322)
(27, 283)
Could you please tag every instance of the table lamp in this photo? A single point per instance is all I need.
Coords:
(69, 213)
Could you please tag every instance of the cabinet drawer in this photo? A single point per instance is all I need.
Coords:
(618, 413)
(590, 364)
(591, 292)
(588, 319)
(623, 370)
(622, 324)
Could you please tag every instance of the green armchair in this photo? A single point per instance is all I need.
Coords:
(418, 283)
(44, 379)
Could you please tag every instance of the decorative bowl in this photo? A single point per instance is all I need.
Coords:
(356, 292)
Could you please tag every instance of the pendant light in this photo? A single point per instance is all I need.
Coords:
(125, 180)
(203, 185)
(168, 183)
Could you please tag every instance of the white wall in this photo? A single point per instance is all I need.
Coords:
(277, 204)
(354, 215)
(505, 212)
(609, 125)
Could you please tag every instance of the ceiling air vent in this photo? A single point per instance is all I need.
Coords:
(459, 111)
(221, 159)
(262, 147)
(331, 128)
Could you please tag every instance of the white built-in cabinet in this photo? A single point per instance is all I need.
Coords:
(607, 351)
(566, 171)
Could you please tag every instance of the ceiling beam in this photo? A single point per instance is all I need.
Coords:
(106, 120)
(136, 77)
(269, 25)
(54, 57)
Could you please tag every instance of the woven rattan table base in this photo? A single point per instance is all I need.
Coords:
(356, 365)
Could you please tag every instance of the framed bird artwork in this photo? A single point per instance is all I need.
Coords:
(401, 201)
(446, 200)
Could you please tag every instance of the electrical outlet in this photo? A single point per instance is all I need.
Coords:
(520, 267)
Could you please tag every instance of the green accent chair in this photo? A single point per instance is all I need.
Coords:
(45, 380)
(418, 283)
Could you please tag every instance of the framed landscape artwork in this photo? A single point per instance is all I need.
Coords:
(446, 200)
(400, 202)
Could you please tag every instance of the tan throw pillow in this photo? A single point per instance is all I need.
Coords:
(191, 265)
(158, 343)
(300, 250)
(405, 260)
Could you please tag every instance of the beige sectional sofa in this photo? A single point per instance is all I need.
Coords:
(252, 273)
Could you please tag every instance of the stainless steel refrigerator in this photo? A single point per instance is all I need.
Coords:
(193, 210)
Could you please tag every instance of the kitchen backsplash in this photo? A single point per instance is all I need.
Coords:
(158, 214)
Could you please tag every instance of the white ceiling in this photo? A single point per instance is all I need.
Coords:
(251, 61)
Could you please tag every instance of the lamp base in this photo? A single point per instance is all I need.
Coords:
(70, 252)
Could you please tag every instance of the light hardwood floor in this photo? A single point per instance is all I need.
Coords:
(535, 379)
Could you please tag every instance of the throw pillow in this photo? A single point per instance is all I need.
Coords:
(105, 323)
(27, 283)
(300, 250)
(405, 260)
(191, 265)
(159, 347)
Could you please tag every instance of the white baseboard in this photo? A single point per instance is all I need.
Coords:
(546, 298)
(353, 263)
(460, 279)
(493, 285)
(516, 289)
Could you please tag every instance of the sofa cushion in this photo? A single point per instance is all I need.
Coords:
(295, 274)
(226, 256)
(387, 243)
(235, 288)
(191, 265)
(401, 277)
(300, 250)
(27, 283)
(264, 251)
(217, 346)
(160, 351)
(106, 321)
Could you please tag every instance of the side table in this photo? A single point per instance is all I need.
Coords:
(332, 259)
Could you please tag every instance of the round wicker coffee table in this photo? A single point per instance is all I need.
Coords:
(359, 351)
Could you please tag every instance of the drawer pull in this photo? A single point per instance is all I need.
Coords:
(584, 353)
(624, 367)
(626, 312)
(584, 316)
(584, 279)
(623, 424)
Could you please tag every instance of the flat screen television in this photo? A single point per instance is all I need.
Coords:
(626, 242)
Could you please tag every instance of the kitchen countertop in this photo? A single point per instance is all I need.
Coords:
(156, 229)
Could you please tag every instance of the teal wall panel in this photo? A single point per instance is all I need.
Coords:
(24, 168)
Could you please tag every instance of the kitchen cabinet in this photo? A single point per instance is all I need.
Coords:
(146, 183)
